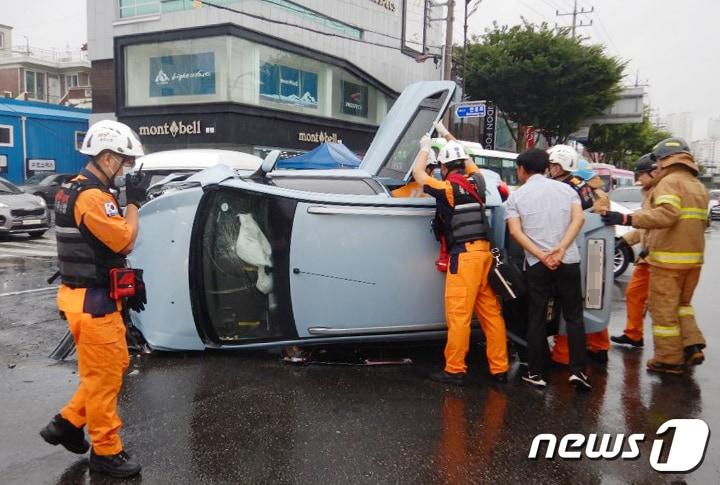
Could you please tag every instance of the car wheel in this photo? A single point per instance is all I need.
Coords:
(36, 234)
(622, 259)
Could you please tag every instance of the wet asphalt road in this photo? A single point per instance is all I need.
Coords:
(237, 417)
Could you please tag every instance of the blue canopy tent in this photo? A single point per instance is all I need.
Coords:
(326, 156)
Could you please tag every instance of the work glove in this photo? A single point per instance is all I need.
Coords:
(136, 186)
(612, 218)
(426, 143)
(441, 130)
(622, 243)
(137, 302)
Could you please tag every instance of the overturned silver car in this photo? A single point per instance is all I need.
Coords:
(289, 257)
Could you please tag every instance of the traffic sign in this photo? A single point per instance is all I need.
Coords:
(470, 110)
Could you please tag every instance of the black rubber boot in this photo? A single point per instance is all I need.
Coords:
(625, 340)
(448, 378)
(121, 465)
(60, 431)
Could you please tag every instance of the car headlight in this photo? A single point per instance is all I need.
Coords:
(3, 206)
(42, 202)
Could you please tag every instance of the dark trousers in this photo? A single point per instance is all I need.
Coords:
(566, 278)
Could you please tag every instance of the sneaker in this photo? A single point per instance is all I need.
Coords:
(655, 366)
(119, 466)
(625, 340)
(599, 356)
(694, 355)
(60, 431)
(500, 377)
(456, 379)
(535, 380)
(580, 381)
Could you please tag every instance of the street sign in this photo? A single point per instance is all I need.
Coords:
(470, 110)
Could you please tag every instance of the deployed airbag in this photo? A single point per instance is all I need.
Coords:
(254, 248)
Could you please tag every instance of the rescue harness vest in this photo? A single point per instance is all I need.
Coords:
(83, 260)
(467, 221)
(584, 191)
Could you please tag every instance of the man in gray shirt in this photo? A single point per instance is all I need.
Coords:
(545, 216)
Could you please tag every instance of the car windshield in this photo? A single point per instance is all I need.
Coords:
(8, 188)
(38, 178)
(626, 195)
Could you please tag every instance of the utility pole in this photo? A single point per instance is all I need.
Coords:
(447, 68)
(574, 14)
(468, 12)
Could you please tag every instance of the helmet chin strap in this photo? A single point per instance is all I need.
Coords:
(111, 179)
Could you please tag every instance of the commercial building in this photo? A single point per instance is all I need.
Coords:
(40, 137)
(707, 154)
(51, 76)
(257, 75)
(679, 124)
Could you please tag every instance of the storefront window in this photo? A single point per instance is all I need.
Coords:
(179, 72)
(225, 68)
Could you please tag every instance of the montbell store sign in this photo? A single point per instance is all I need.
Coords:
(182, 75)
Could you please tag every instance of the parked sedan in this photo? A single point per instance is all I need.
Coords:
(45, 185)
(290, 257)
(630, 197)
(21, 212)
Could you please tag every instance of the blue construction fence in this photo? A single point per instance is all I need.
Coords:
(52, 134)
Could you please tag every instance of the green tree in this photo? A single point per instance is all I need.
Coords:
(541, 77)
(623, 144)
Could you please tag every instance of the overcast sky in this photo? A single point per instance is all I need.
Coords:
(673, 44)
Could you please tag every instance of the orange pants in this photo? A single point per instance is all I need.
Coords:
(636, 296)
(596, 342)
(466, 290)
(102, 360)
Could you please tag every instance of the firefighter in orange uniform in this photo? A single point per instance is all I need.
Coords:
(93, 237)
(636, 293)
(566, 166)
(676, 224)
(461, 218)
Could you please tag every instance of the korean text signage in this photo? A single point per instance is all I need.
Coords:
(176, 128)
(387, 4)
(41, 165)
(182, 75)
(283, 84)
(490, 126)
(470, 110)
(354, 99)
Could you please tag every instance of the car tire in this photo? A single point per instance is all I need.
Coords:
(621, 261)
(36, 234)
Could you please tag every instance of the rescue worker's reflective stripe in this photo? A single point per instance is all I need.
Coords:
(673, 200)
(675, 258)
(693, 213)
(666, 330)
(686, 311)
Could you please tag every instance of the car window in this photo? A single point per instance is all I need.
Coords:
(626, 195)
(403, 155)
(36, 179)
(7, 187)
(326, 186)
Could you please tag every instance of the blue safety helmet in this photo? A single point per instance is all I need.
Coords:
(584, 170)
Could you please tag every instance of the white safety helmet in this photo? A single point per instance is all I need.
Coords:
(111, 135)
(565, 156)
(451, 152)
